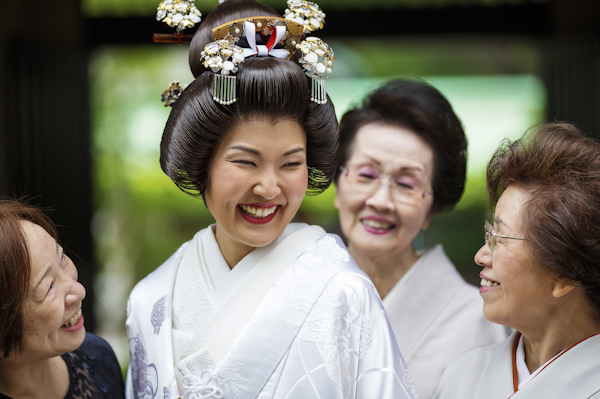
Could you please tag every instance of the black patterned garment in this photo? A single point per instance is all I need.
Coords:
(93, 370)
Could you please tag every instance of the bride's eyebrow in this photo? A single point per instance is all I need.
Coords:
(246, 149)
(295, 150)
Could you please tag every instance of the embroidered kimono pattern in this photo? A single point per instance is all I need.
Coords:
(319, 332)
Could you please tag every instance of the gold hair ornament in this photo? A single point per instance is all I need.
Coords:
(306, 13)
(265, 26)
(171, 95)
(223, 55)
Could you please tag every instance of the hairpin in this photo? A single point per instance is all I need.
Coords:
(179, 14)
(305, 13)
(317, 61)
(171, 95)
(223, 57)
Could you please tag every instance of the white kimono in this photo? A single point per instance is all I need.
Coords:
(303, 322)
(487, 373)
(436, 316)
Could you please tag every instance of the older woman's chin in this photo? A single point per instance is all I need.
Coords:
(73, 335)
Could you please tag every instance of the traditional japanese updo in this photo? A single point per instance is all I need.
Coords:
(268, 88)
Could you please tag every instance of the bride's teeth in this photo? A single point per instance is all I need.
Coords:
(259, 213)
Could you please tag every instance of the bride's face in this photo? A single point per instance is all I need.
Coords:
(257, 181)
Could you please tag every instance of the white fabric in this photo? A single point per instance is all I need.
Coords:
(260, 49)
(436, 316)
(320, 332)
(486, 373)
(522, 371)
(201, 287)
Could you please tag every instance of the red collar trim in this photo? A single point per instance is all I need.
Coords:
(514, 359)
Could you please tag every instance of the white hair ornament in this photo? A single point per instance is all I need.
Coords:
(305, 13)
(179, 14)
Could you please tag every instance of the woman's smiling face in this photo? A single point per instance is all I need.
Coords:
(257, 181)
(521, 294)
(53, 324)
(376, 224)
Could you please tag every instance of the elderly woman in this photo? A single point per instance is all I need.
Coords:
(254, 306)
(541, 273)
(46, 352)
(403, 161)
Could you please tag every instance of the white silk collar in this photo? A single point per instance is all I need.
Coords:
(224, 279)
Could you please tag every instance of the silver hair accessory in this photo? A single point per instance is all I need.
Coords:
(223, 58)
(317, 61)
(305, 13)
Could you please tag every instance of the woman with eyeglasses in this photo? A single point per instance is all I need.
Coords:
(541, 273)
(403, 161)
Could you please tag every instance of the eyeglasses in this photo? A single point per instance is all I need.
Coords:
(366, 180)
(491, 236)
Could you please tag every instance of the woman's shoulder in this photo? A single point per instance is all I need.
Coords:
(94, 370)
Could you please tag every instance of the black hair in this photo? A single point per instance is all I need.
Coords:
(422, 109)
(267, 88)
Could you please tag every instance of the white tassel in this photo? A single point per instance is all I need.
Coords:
(318, 91)
(198, 388)
(224, 89)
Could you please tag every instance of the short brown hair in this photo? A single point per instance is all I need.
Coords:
(560, 168)
(422, 109)
(15, 265)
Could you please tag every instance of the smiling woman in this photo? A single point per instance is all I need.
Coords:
(253, 305)
(541, 273)
(46, 352)
(257, 180)
(404, 160)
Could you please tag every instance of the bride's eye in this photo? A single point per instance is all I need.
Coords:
(244, 162)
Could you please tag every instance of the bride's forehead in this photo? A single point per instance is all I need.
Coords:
(266, 134)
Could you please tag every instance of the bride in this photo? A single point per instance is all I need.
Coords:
(254, 306)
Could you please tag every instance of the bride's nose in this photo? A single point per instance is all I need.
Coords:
(267, 184)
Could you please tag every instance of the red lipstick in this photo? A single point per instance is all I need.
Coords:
(259, 220)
